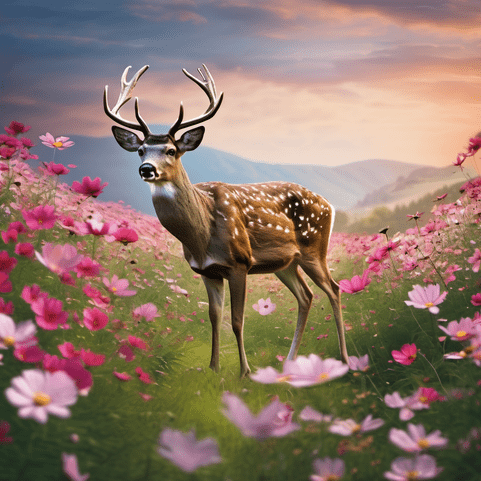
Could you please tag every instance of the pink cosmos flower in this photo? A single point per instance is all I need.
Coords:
(29, 354)
(25, 249)
(118, 286)
(302, 372)
(95, 319)
(348, 427)
(359, 363)
(68, 351)
(186, 452)
(125, 352)
(37, 394)
(274, 420)
(6, 307)
(49, 313)
(416, 440)
(41, 217)
(125, 235)
(55, 169)
(95, 227)
(59, 258)
(70, 468)
(310, 414)
(148, 311)
(87, 268)
(327, 469)
(404, 469)
(5, 283)
(462, 330)
(264, 307)
(407, 354)
(475, 259)
(32, 293)
(16, 128)
(92, 188)
(16, 335)
(59, 143)
(426, 297)
(421, 399)
(90, 358)
(74, 368)
(476, 299)
(143, 376)
(356, 284)
(137, 342)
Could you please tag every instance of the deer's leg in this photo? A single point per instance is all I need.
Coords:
(215, 292)
(293, 280)
(237, 287)
(319, 272)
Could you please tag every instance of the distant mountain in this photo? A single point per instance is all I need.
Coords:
(343, 186)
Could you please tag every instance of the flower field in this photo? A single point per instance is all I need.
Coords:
(105, 343)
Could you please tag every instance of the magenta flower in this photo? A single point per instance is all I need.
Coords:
(137, 342)
(143, 376)
(406, 469)
(29, 354)
(16, 335)
(416, 439)
(89, 187)
(348, 427)
(7, 263)
(460, 331)
(70, 468)
(421, 399)
(407, 354)
(41, 217)
(264, 307)
(274, 420)
(356, 284)
(16, 128)
(4, 429)
(476, 299)
(56, 169)
(125, 235)
(123, 376)
(25, 249)
(59, 258)
(186, 452)
(148, 311)
(327, 469)
(118, 286)
(426, 297)
(95, 226)
(475, 259)
(95, 319)
(59, 143)
(90, 358)
(37, 394)
(359, 363)
(49, 313)
(67, 350)
(5, 283)
(87, 268)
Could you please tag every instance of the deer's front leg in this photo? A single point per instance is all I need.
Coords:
(215, 292)
(237, 287)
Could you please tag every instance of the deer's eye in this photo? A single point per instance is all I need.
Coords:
(141, 151)
(171, 152)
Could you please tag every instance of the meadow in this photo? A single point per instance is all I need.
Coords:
(105, 344)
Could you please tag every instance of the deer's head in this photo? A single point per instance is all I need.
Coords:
(160, 154)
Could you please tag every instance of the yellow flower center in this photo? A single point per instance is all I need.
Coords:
(423, 443)
(324, 376)
(461, 333)
(114, 289)
(429, 304)
(8, 341)
(57, 144)
(412, 475)
(41, 399)
(356, 428)
(423, 399)
(284, 378)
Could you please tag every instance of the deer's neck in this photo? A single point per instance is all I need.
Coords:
(185, 212)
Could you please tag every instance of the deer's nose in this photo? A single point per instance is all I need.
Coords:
(147, 171)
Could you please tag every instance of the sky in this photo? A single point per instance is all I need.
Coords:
(305, 81)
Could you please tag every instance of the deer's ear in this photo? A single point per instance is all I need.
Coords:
(126, 139)
(191, 139)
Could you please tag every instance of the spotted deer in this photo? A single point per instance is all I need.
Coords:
(229, 231)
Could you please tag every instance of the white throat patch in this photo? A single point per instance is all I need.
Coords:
(166, 189)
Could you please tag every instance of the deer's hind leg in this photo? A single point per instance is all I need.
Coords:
(293, 280)
(319, 272)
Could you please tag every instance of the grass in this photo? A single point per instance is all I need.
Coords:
(116, 430)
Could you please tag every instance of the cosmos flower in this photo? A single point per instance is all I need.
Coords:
(407, 354)
(264, 307)
(186, 452)
(49, 313)
(59, 258)
(359, 363)
(460, 331)
(475, 259)
(118, 286)
(148, 311)
(426, 297)
(327, 469)
(95, 319)
(16, 335)
(37, 394)
(70, 468)
(55, 169)
(92, 188)
(416, 439)
(407, 469)
(59, 143)
(40, 217)
(274, 420)
(356, 284)
(348, 427)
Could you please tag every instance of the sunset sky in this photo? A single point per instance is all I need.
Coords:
(305, 81)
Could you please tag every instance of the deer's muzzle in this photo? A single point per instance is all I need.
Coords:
(147, 171)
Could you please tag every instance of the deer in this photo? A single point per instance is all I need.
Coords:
(229, 231)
